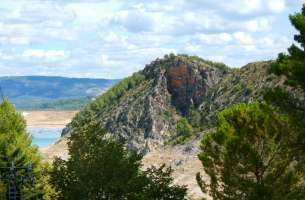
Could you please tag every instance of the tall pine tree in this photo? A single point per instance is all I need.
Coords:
(286, 99)
(16, 147)
(293, 64)
(250, 157)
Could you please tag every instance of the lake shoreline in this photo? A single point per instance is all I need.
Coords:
(48, 119)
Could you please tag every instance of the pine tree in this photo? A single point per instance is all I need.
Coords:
(16, 147)
(249, 156)
(293, 64)
(101, 167)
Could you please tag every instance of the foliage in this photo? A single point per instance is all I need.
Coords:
(113, 95)
(171, 57)
(184, 131)
(218, 65)
(108, 99)
(35, 103)
(106, 168)
(160, 185)
(249, 156)
(184, 128)
(284, 98)
(194, 117)
(293, 64)
(16, 147)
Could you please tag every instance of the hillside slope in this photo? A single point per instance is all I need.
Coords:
(148, 108)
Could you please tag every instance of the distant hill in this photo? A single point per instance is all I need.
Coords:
(46, 92)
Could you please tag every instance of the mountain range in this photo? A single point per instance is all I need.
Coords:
(47, 92)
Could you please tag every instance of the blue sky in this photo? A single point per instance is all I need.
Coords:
(112, 39)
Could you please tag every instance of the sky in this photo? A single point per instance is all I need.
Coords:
(114, 38)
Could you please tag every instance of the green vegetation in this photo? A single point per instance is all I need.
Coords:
(250, 156)
(184, 131)
(16, 147)
(257, 153)
(33, 103)
(194, 117)
(293, 64)
(101, 167)
(219, 65)
(114, 94)
(159, 185)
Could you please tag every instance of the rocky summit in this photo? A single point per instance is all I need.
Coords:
(149, 108)
(145, 107)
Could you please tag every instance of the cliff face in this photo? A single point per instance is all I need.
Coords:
(146, 107)
(146, 115)
(188, 82)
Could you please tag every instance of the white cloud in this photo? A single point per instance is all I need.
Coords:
(243, 38)
(105, 61)
(277, 6)
(215, 39)
(259, 24)
(134, 21)
(14, 40)
(50, 55)
(114, 38)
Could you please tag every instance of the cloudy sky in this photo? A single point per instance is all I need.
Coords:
(112, 39)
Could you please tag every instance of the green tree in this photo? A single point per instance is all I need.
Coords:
(293, 64)
(159, 185)
(249, 156)
(16, 147)
(101, 167)
(194, 117)
(184, 129)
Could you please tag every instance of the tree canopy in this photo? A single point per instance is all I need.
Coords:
(16, 146)
(101, 167)
(249, 156)
(293, 64)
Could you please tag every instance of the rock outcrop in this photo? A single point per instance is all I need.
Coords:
(147, 114)
(146, 107)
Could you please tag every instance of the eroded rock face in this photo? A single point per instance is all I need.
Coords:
(146, 116)
(188, 82)
(170, 86)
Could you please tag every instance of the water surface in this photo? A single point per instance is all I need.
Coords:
(43, 137)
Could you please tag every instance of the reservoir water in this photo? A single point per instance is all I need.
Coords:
(43, 137)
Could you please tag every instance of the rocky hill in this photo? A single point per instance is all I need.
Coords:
(163, 110)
